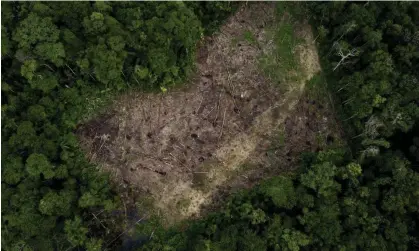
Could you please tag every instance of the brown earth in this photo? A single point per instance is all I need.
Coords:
(185, 147)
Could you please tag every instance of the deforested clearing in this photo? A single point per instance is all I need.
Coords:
(184, 146)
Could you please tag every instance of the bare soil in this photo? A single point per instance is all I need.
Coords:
(185, 147)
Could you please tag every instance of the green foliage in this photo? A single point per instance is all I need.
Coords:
(14, 170)
(373, 83)
(281, 191)
(249, 37)
(75, 231)
(53, 52)
(293, 240)
(94, 245)
(28, 69)
(54, 203)
(321, 179)
(35, 30)
(281, 65)
(38, 164)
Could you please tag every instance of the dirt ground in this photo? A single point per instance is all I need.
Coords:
(186, 147)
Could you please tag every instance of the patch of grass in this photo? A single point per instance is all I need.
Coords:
(247, 37)
(285, 43)
(250, 37)
(296, 10)
(277, 144)
(96, 104)
(281, 65)
(317, 88)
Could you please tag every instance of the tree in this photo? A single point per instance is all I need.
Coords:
(13, 171)
(53, 52)
(38, 164)
(35, 30)
(28, 69)
(95, 24)
(45, 82)
(24, 137)
(57, 204)
(281, 190)
(107, 65)
(75, 231)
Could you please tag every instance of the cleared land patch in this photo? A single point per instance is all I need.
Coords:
(182, 147)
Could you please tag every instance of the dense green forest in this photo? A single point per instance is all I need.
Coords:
(365, 197)
(373, 50)
(62, 61)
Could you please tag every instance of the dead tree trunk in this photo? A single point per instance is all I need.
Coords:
(344, 56)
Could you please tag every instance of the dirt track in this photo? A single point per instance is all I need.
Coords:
(181, 146)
